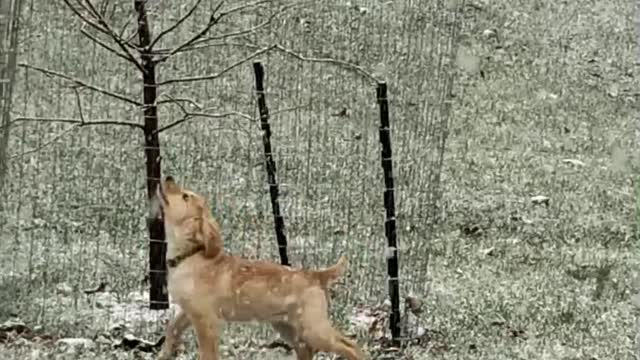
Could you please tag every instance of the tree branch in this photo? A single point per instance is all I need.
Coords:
(175, 25)
(46, 143)
(79, 103)
(117, 39)
(177, 101)
(106, 47)
(212, 21)
(198, 44)
(207, 45)
(191, 115)
(79, 122)
(124, 28)
(245, 6)
(82, 17)
(253, 29)
(353, 67)
(356, 68)
(220, 73)
(81, 83)
(197, 41)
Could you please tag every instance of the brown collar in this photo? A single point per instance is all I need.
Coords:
(178, 259)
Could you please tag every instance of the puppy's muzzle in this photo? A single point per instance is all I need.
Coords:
(160, 194)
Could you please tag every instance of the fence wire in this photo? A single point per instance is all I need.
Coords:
(74, 243)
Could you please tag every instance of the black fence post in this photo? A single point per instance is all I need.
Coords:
(390, 209)
(270, 163)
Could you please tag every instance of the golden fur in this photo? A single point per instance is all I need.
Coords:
(212, 287)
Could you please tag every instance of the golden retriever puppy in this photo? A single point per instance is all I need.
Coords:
(212, 287)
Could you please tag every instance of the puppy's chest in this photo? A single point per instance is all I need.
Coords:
(181, 284)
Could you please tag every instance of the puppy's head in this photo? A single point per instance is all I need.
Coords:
(179, 205)
(187, 211)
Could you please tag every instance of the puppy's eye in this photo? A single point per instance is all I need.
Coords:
(185, 197)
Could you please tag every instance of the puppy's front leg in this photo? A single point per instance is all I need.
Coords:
(173, 335)
(206, 327)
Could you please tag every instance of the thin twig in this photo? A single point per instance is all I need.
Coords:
(79, 103)
(105, 46)
(79, 122)
(187, 115)
(208, 45)
(220, 73)
(245, 6)
(112, 33)
(356, 68)
(192, 115)
(131, 38)
(46, 143)
(124, 28)
(198, 44)
(83, 18)
(80, 83)
(104, 7)
(177, 101)
(91, 9)
(174, 25)
(206, 114)
(213, 19)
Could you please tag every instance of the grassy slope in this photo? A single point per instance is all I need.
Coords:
(532, 282)
(560, 89)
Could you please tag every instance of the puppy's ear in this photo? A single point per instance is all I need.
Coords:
(209, 236)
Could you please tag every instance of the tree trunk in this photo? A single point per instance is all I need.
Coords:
(10, 11)
(158, 297)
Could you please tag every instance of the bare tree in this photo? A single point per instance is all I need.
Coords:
(9, 25)
(141, 49)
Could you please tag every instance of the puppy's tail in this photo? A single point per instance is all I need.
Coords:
(331, 274)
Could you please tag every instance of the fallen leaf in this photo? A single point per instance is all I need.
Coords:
(540, 200)
(100, 288)
(489, 252)
(278, 345)
(414, 305)
(342, 113)
(573, 162)
(130, 342)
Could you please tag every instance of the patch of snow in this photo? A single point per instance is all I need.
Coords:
(76, 343)
(389, 252)
(112, 310)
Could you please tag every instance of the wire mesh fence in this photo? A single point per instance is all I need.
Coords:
(74, 239)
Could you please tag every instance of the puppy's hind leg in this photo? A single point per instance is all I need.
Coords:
(321, 336)
(290, 336)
